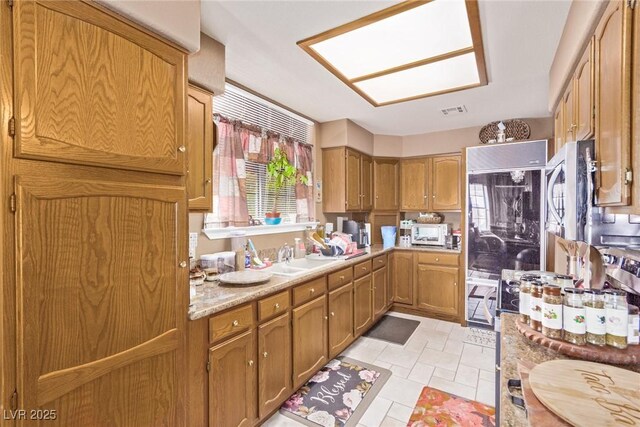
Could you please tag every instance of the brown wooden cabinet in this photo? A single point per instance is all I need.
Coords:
(340, 319)
(274, 367)
(414, 184)
(200, 142)
(347, 180)
(612, 74)
(94, 90)
(558, 126)
(379, 292)
(362, 304)
(402, 279)
(437, 289)
(584, 108)
(445, 184)
(309, 332)
(386, 184)
(568, 107)
(232, 382)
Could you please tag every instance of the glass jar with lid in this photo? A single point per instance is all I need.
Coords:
(573, 315)
(552, 311)
(633, 337)
(535, 306)
(593, 301)
(524, 299)
(617, 313)
(563, 281)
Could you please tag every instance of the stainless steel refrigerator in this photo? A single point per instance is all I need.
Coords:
(505, 208)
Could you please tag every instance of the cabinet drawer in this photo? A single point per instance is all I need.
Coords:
(309, 290)
(362, 269)
(438, 258)
(379, 261)
(273, 305)
(231, 322)
(340, 278)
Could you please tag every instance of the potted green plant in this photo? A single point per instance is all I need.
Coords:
(281, 174)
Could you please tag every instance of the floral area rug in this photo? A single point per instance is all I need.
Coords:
(338, 395)
(437, 408)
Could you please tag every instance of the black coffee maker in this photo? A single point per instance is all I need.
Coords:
(357, 231)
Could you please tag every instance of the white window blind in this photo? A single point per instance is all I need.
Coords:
(260, 198)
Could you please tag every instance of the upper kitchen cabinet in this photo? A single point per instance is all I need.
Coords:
(568, 102)
(200, 142)
(445, 183)
(583, 85)
(347, 180)
(558, 126)
(613, 105)
(385, 184)
(414, 184)
(91, 89)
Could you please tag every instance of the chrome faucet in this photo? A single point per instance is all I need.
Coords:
(285, 253)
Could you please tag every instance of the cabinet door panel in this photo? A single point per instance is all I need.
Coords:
(91, 89)
(569, 114)
(340, 319)
(445, 192)
(379, 292)
(232, 382)
(612, 100)
(362, 308)
(385, 184)
(366, 181)
(200, 137)
(584, 95)
(309, 339)
(353, 180)
(274, 354)
(102, 302)
(437, 289)
(414, 184)
(403, 277)
(558, 126)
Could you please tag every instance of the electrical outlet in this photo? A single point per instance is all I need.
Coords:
(193, 244)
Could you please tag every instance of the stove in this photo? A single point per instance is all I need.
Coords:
(508, 296)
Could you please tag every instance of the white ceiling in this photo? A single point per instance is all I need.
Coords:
(520, 40)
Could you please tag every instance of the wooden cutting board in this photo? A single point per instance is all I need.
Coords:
(587, 393)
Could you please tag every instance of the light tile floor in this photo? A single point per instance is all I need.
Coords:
(435, 355)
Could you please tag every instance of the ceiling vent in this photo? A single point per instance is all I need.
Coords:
(454, 111)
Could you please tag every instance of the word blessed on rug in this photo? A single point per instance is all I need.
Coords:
(438, 408)
(337, 395)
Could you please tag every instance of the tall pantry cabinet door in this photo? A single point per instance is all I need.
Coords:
(93, 90)
(102, 300)
(613, 104)
(200, 138)
(445, 184)
(354, 193)
(584, 113)
(232, 382)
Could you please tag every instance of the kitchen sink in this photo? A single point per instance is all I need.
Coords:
(299, 266)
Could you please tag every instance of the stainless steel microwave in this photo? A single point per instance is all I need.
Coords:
(429, 234)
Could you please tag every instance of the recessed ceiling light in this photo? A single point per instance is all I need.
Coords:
(411, 50)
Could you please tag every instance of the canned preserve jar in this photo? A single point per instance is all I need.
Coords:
(574, 322)
(524, 297)
(593, 301)
(552, 311)
(617, 313)
(535, 306)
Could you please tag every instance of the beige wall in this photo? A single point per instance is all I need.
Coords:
(359, 138)
(451, 141)
(387, 146)
(177, 20)
(579, 27)
(207, 66)
(344, 132)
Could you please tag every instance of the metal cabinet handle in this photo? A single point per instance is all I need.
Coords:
(250, 362)
(265, 354)
(455, 283)
(437, 259)
(183, 264)
(364, 268)
(182, 149)
(341, 277)
(312, 290)
(332, 314)
(497, 368)
(277, 306)
(235, 323)
(207, 181)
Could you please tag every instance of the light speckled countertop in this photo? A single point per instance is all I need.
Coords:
(515, 347)
(213, 298)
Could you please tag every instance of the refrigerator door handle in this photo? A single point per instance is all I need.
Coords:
(552, 207)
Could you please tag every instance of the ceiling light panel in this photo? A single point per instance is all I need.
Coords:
(427, 31)
(413, 49)
(441, 76)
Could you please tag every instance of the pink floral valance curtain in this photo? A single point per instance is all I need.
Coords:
(305, 205)
(229, 178)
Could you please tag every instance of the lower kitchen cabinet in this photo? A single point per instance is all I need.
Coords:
(379, 292)
(340, 319)
(362, 304)
(437, 289)
(309, 339)
(232, 382)
(402, 280)
(274, 363)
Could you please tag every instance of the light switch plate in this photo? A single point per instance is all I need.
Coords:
(317, 189)
(193, 244)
